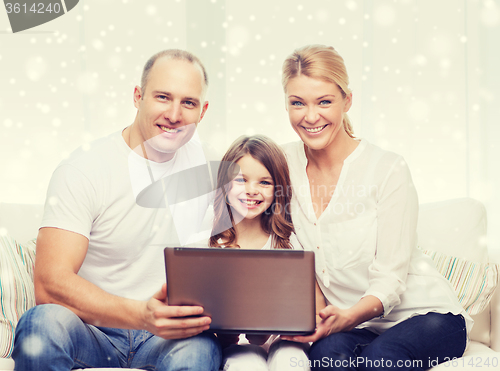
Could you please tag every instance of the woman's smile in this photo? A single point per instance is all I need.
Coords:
(316, 110)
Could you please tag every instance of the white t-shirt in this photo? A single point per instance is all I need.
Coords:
(365, 241)
(93, 193)
(293, 241)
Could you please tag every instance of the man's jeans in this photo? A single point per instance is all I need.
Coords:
(51, 337)
(418, 343)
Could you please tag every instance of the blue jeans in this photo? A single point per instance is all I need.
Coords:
(52, 338)
(418, 343)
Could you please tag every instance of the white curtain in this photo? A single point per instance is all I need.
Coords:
(424, 75)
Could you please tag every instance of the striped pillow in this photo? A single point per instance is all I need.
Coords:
(17, 293)
(474, 283)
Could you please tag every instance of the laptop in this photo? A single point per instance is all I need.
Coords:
(245, 291)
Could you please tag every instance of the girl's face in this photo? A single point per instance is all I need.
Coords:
(316, 110)
(252, 190)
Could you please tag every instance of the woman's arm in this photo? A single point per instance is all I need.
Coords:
(397, 211)
(397, 214)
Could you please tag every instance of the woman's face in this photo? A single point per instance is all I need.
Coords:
(252, 190)
(316, 109)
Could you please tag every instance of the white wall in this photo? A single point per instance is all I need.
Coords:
(424, 75)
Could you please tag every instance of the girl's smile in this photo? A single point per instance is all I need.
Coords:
(252, 190)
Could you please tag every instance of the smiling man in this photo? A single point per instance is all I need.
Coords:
(99, 272)
(169, 105)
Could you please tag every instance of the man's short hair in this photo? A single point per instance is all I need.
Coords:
(173, 54)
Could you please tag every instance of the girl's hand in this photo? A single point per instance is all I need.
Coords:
(333, 320)
(257, 339)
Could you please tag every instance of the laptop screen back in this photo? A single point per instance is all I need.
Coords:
(245, 291)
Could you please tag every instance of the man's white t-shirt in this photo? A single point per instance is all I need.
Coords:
(93, 193)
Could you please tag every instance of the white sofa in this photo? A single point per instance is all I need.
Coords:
(455, 227)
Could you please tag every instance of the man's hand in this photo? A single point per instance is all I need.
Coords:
(170, 322)
(333, 320)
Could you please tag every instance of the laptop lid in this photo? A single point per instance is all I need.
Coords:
(245, 291)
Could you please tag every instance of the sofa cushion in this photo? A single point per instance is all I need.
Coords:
(6, 364)
(455, 227)
(474, 283)
(477, 356)
(17, 293)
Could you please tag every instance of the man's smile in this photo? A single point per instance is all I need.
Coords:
(169, 130)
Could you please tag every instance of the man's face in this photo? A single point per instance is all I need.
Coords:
(169, 108)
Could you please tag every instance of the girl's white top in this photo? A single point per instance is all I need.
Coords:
(365, 240)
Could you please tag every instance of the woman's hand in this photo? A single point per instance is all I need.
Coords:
(333, 319)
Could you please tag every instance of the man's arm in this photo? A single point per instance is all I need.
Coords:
(59, 256)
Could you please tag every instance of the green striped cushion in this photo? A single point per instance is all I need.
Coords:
(474, 283)
(16, 288)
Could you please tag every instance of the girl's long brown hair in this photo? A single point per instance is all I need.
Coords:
(276, 220)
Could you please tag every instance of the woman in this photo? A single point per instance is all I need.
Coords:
(355, 205)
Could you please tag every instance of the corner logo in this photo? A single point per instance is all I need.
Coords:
(25, 14)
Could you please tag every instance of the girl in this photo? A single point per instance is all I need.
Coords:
(251, 212)
(388, 306)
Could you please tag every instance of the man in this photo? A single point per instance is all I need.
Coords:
(99, 259)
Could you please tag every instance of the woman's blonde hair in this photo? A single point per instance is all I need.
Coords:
(319, 62)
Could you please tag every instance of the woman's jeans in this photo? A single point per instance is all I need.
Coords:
(418, 343)
(51, 337)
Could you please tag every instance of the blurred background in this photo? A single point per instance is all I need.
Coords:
(424, 75)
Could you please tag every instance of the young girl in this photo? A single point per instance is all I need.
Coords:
(251, 212)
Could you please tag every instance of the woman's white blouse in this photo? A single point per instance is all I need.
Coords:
(365, 239)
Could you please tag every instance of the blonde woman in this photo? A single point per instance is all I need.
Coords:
(355, 205)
